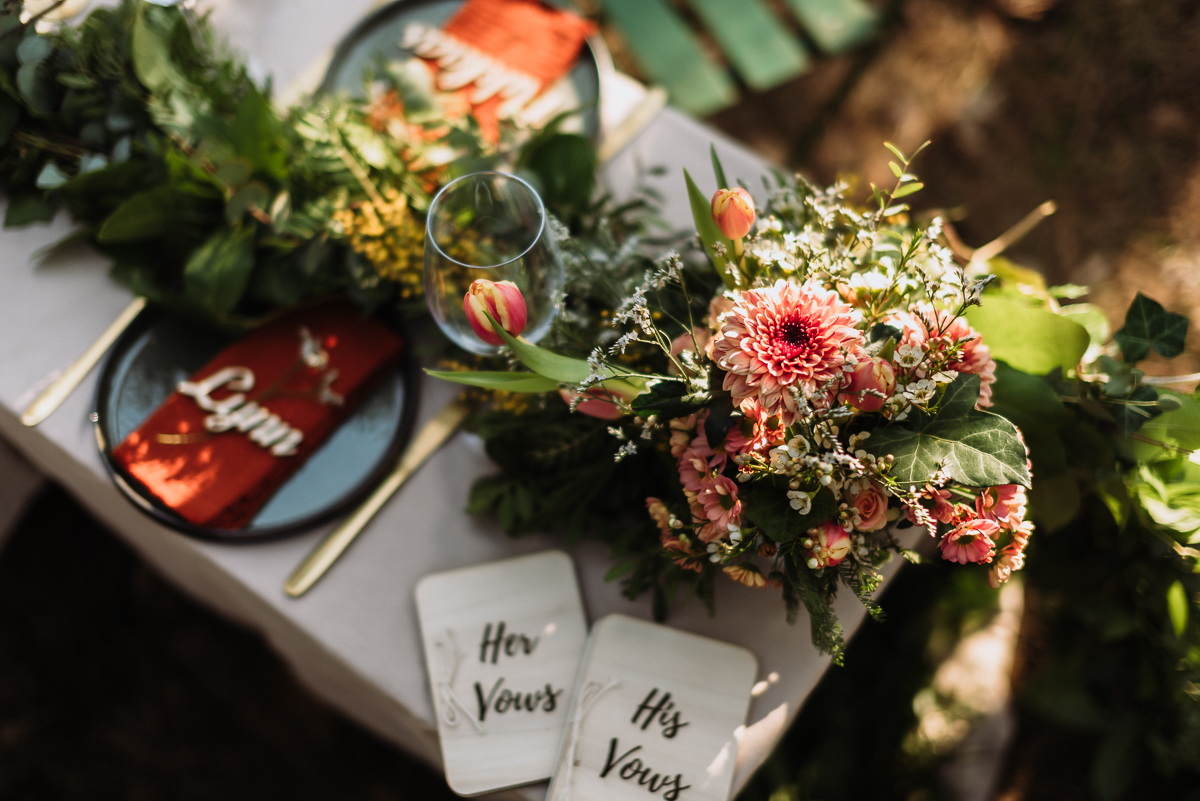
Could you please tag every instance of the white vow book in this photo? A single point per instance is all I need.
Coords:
(656, 714)
(503, 642)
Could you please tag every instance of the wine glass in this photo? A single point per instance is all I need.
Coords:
(490, 225)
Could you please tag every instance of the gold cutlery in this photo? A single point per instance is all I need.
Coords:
(62, 387)
(425, 444)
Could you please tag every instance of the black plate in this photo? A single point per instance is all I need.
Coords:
(379, 34)
(159, 350)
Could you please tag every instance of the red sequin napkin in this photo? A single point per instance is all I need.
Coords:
(217, 466)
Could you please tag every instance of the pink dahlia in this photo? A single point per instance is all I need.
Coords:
(973, 356)
(785, 336)
(970, 541)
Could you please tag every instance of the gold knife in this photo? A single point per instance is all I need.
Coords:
(53, 396)
(425, 444)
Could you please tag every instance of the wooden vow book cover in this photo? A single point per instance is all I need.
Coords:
(503, 643)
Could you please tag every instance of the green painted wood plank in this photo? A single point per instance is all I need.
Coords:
(668, 52)
(755, 40)
(836, 25)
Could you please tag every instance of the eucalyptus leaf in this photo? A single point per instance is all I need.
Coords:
(976, 448)
(217, 273)
(51, 177)
(501, 380)
(34, 49)
(1148, 325)
(39, 94)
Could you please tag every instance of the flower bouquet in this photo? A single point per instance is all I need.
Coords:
(782, 406)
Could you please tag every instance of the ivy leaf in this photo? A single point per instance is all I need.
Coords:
(217, 273)
(26, 209)
(499, 379)
(768, 507)
(1132, 412)
(1029, 339)
(669, 399)
(1148, 325)
(977, 448)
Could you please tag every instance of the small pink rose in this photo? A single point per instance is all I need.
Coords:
(872, 508)
(503, 301)
(872, 381)
(733, 212)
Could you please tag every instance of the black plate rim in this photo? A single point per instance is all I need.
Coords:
(408, 369)
(376, 17)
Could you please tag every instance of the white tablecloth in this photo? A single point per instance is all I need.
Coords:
(353, 639)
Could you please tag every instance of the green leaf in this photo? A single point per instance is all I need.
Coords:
(10, 115)
(257, 135)
(1055, 501)
(27, 209)
(1033, 406)
(1180, 427)
(907, 189)
(152, 59)
(1148, 325)
(565, 166)
(1135, 411)
(217, 273)
(40, 94)
(718, 170)
(506, 381)
(896, 169)
(669, 399)
(768, 507)
(1029, 339)
(545, 362)
(1177, 607)
(1116, 764)
(895, 151)
(34, 49)
(152, 214)
(977, 448)
(706, 228)
(618, 570)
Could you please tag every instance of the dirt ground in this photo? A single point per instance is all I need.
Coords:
(1094, 104)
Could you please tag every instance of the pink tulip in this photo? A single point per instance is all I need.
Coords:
(872, 375)
(598, 403)
(733, 212)
(830, 545)
(503, 301)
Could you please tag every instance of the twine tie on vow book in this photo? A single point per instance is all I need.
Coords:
(589, 695)
(451, 705)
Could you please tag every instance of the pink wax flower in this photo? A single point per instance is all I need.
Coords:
(503, 301)
(719, 497)
(970, 541)
(973, 356)
(782, 337)
(872, 505)
(1004, 504)
(830, 544)
(733, 212)
(872, 375)
(598, 402)
(937, 503)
